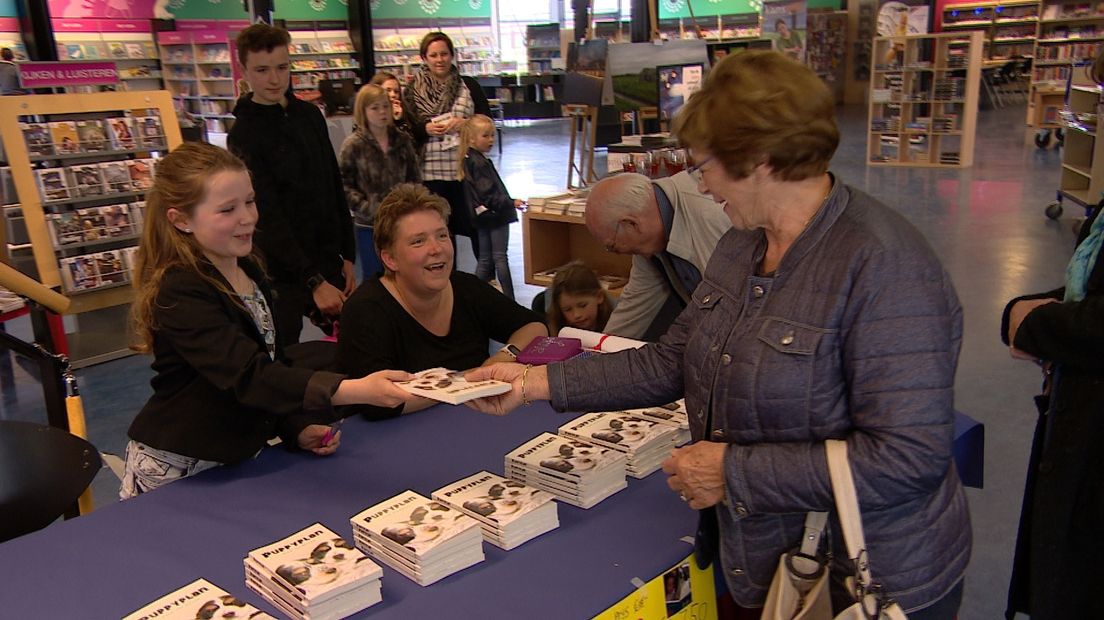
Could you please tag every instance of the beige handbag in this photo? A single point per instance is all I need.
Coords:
(799, 590)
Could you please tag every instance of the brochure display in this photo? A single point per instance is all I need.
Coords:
(923, 101)
(81, 184)
(201, 74)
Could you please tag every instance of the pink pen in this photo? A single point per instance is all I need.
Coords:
(334, 428)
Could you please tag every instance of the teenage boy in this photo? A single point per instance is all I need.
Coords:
(305, 231)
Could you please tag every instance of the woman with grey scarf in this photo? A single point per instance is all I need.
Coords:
(441, 101)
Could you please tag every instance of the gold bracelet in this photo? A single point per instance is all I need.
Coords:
(524, 374)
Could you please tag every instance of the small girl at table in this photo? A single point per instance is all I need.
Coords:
(578, 300)
(488, 201)
(204, 309)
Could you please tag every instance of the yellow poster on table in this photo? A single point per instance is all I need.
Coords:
(684, 593)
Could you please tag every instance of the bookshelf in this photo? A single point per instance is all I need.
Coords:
(552, 240)
(396, 50)
(61, 254)
(200, 73)
(1069, 34)
(1083, 155)
(322, 55)
(542, 48)
(135, 55)
(923, 100)
(1009, 27)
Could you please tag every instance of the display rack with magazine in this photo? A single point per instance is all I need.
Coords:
(81, 200)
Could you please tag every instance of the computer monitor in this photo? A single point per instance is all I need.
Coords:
(338, 95)
(676, 84)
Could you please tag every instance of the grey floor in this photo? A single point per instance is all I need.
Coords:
(986, 223)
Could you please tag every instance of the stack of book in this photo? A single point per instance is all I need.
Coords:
(509, 512)
(672, 414)
(314, 574)
(198, 599)
(645, 443)
(425, 540)
(576, 472)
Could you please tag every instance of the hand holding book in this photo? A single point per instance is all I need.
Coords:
(528, 383)
(377, 389)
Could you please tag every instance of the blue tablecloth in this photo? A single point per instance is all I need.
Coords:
(109, 563)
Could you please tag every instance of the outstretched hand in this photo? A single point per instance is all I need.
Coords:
(502, 404)
(377, 389)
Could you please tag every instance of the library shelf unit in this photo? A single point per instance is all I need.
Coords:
(542, 48)
(476, 55)
(1009, 27)
(552, 240)
(1082, 177)
(200, 72)
(108, 223)
(1070, 36)
(322, 55)
(134, 53)
(924, 100)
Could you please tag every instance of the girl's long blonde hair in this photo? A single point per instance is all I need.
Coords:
(467, 137)
(180, 183)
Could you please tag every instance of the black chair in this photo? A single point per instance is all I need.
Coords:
(43, 470)
(538, 306)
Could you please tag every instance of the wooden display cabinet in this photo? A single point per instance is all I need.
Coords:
(924, 100)
(1083, 155)
(553, 240)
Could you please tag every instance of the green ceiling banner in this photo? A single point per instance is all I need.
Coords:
(207, 9)
(429, 9)
(673, 9)
(312, 10)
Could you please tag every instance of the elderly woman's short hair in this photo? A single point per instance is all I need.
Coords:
(762, 107)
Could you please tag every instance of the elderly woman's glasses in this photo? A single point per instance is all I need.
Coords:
(695, 171)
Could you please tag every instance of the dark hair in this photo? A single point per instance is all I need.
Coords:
(781, 22)
(260, 38)
(575, 278)
(7, 54)
(433, 37)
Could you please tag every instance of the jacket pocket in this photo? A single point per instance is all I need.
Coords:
(787, 372)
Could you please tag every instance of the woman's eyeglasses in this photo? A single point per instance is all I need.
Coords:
(695, 171)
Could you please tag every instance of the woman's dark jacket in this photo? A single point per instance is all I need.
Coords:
(483, 186)
(1059, 545)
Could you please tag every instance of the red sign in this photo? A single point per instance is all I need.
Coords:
(54, 74)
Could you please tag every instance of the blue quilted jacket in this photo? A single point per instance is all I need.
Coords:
(856, 337)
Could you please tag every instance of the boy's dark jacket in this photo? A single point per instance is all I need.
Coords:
(483, 186)
(305, 227)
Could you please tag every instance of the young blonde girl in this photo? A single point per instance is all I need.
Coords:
(578, 300)
(204, 310)
(374, 159)
(488, 201)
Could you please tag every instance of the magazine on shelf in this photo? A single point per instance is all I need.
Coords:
(122, 133)
(449, 386)
(493, 499)
(413, 524)
(138, 213)
(53, 184)
(37, 138)
(116, 176)
(65, 228)
(198, 599)
(130, 257)
(141, 174)
(109, 265)
(151, 132)
(92, 136)
(116, 49)
(74, 51)
(314, 563)
(87, 180)
(64, 134)
(135, 50)
(117, 221)
(92, 223)
(79, 273)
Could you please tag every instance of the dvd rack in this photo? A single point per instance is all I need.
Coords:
(81, 166)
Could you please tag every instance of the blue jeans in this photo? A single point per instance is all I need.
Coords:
(148, 468)
(370, 263)
(493, 242)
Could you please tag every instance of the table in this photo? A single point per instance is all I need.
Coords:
(120, 557)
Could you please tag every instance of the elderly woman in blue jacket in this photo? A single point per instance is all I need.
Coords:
(823, 314)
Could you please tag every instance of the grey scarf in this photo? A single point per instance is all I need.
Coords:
(433, 97)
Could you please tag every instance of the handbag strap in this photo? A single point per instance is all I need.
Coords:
(814, 528)
(847, 507)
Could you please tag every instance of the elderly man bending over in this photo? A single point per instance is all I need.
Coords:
(670, 229)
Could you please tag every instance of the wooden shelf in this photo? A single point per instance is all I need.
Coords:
(552, 240)
(931, 146)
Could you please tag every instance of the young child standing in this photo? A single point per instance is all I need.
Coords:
(374, 159)
(204, 309)
(488, 201)
(578, 300)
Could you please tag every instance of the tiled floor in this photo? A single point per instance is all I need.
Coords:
(986, 222)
